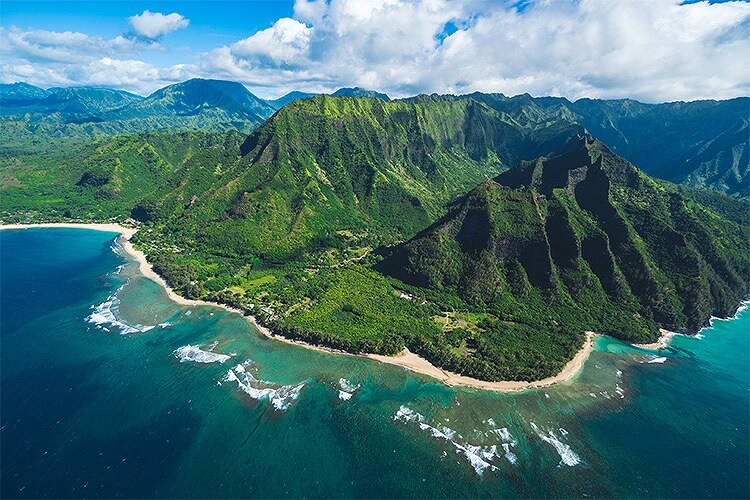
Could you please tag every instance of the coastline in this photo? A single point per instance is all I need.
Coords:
(418, 364)
(405, 359)
(127, 232)
(661, 343)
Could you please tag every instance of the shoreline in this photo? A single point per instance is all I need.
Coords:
(126, 232)
(661, 343)
(405, 359)
(418, 364)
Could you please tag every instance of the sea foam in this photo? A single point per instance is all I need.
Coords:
(507, 442)
(479, 457)
(347, 389)
(280, 397)
(194, 353)
(567, 455)
(106, 314)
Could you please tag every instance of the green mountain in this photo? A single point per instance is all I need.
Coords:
(86, 113)
(379, 170)
(20, 91)
(78, 102)
(702, 144)
(581, 240)
(359, 92)
(230, 101)
(287, 98)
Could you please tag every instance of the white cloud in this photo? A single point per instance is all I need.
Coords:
(155, 24)
(285, 43)
(653, 50)
(49, 58)
(67, 46)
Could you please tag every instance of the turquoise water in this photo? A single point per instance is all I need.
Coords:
(89, 411)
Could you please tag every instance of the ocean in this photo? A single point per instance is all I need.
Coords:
(109, 389)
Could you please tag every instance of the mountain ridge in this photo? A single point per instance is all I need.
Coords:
(701, 143)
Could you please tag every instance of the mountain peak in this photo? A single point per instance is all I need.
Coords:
(21, 90)
(360, 92)
(198, 95)
(579, 158)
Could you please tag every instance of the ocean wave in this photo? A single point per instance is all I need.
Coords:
(507, 442)
(742, 308)
(504, 434)
(347, 389)
(106, 314)
(479, 457)
(509, 455)
(194, 353)
(281, 398)
(620, 391)
(407, 415)
(567, 455)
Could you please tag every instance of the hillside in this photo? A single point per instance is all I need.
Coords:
(379, 171)
(578, 241)
(703, 144)
(88, 113)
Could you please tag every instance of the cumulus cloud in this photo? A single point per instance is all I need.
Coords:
(656, 50)
(284, 44)
(153, 25)
(50, 58)
(67, 46)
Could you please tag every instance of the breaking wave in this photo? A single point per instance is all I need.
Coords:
(478, 456)
(347, 389)
(280, 397)
(195, 354)
(567, 455)
(105, 314)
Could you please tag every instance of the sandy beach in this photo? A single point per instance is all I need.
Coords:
(662, 342)
(418, 364)
(405, 359)
(127, 232)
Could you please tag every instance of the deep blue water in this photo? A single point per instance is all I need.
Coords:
(86, 411)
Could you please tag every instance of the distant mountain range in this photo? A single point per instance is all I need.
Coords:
(702, 144)
(210, 105)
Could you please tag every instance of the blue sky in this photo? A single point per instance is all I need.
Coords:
(652, 50)
(212, 23)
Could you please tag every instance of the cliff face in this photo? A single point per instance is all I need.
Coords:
(584, 224)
